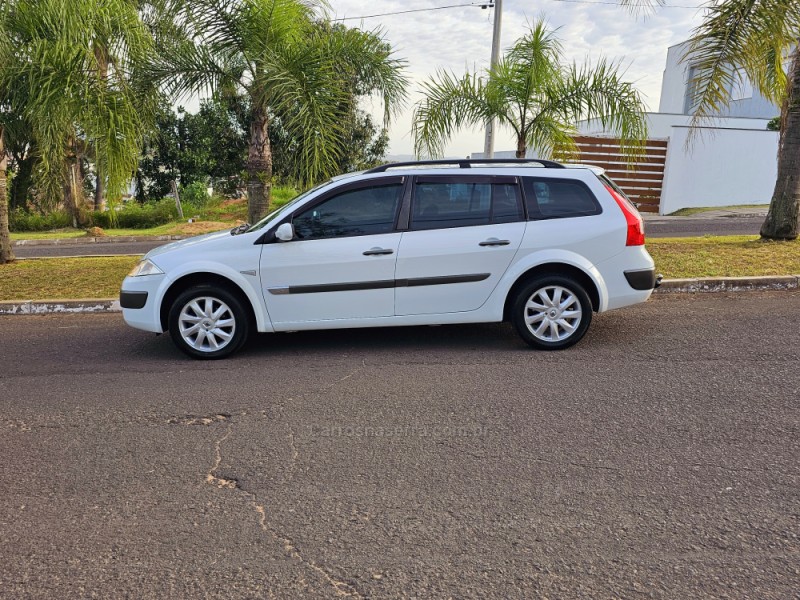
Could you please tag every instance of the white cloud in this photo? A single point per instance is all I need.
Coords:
(460, 38)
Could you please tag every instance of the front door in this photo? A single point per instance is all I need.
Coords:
(341, 263)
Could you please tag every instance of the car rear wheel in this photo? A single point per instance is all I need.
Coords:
(551, 312)
(208, 323)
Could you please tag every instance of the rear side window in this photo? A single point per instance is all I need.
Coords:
(558, 198)
(365, 211)
(440, 205)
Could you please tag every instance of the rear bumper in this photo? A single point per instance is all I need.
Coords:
(643, 279)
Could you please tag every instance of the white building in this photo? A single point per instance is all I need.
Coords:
(731, 160)
(676, 91)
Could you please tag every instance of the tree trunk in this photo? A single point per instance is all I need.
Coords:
(6, 250)
(21, 184)
(73, 192)
(100, 182)
(178, 207)
(259, 166)
(522, 147)
(782, 218)
(99, 190)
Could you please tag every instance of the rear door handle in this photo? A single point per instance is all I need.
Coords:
(378, 251)
(494, 242)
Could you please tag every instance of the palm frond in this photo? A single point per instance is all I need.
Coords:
(50, 75)
(450, 103)
(598, 92)
(747, 35)
(553, 138)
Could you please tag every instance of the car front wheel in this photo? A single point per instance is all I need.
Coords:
(551, 312)
(208, 323)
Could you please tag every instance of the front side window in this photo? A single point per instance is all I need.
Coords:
(440, 205)
(557, 198)
(363, 211)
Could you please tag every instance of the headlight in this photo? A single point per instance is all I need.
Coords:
(145, 267)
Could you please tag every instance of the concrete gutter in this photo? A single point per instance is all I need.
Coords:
(668, 286)
(106, 239)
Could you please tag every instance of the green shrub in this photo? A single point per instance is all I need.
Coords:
(195, 194)
(136, 216)
(22, 220)
(101, 218)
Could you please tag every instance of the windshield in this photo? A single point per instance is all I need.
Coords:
(271, 216)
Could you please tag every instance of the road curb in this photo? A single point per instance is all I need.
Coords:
(684, 286)
(730, 284)
(46, 307)
(108, 239)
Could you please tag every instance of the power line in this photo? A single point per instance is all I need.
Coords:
(491, 5)
(620, 4)
(415, 10)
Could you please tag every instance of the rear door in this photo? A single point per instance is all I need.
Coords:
(462, 233)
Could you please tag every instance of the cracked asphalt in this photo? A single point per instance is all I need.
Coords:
(657, 459)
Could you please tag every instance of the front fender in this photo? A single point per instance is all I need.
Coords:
(246, 279)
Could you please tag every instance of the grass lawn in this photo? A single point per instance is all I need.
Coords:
(47, 235)
(724, 256)
(64, 278)
(100, 277)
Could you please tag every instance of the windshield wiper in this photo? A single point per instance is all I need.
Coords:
(240, 229)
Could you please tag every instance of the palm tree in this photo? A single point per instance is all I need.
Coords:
(287, 64)
(6, 250)
(753, 38)
(50, 77)
(534, 94)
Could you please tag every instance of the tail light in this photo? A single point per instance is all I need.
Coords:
(632, 216)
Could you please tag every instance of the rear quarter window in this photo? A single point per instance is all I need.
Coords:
(558, 198)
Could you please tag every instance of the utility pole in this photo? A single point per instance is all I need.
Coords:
(488, 145)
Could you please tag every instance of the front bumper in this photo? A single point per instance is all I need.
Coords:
(134, 300)
(139, 299)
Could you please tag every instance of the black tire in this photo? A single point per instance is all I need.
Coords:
(234, 311)
(553, 320)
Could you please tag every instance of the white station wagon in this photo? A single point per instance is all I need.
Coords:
(424, 243)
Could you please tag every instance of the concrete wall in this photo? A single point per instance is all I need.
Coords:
(721, 167)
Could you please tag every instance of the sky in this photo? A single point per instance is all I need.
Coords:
(460, 38)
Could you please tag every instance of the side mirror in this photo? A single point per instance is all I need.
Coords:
(285, 232)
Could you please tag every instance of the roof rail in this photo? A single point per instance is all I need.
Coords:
(468, 163)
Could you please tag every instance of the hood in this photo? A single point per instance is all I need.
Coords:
(192, 241)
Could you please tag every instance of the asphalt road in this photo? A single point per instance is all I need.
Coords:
(92, 249)
(669, 227)
(657, 459)
(689, 227)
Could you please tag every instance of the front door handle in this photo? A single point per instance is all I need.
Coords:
(494, 242)
(378, 251)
